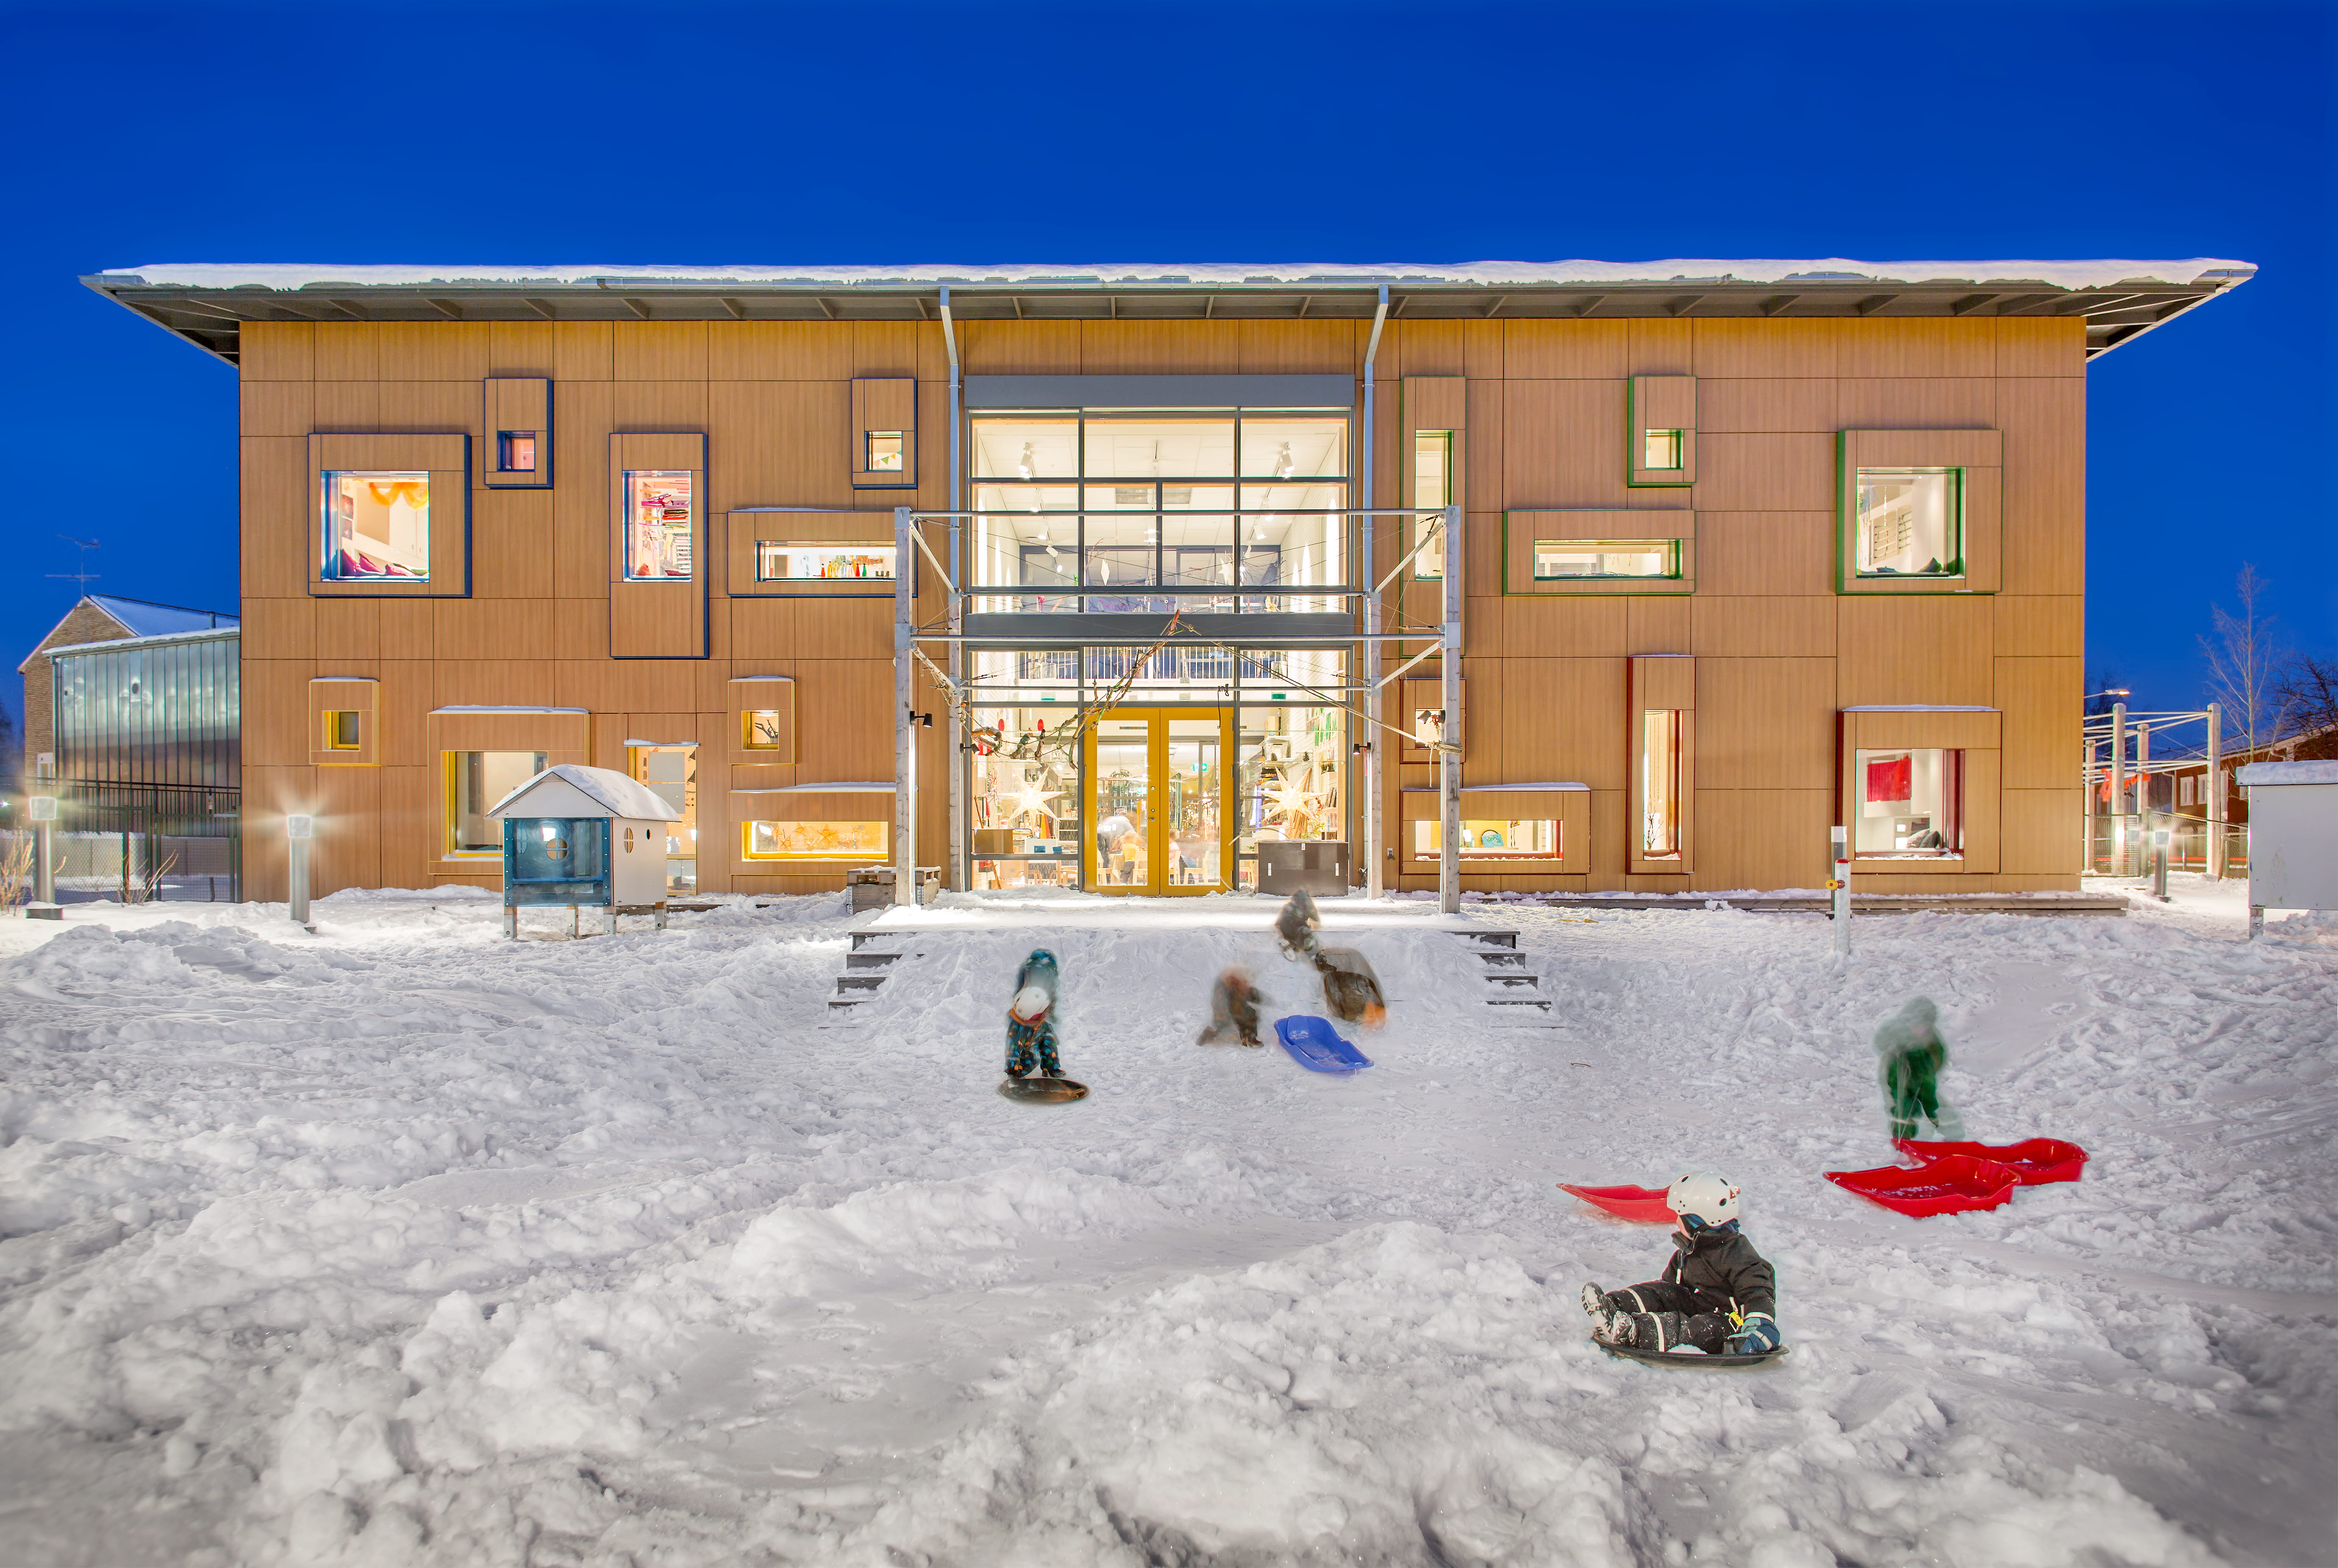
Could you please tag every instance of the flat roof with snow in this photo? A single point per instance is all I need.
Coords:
(207, 302)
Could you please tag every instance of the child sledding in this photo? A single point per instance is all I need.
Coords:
(1717, 1297)
(1033, 1071)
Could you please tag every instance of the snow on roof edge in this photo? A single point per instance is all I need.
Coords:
(2070, 274)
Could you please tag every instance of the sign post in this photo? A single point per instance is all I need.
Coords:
(1839, 884)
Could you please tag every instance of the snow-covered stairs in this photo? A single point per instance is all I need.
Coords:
(865, 968)
(1507, 978)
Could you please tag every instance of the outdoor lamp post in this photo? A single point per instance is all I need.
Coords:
(40, 810)
(300, 828)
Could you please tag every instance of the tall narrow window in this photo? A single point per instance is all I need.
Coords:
(515, 451)
(1432, 486)
(1660, 791)
(376, 525)
(476, 780)
(659, 510)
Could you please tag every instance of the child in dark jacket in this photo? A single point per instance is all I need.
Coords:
(1031, 1019)
(1717, 1294)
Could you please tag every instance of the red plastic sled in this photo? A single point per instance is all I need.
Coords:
(1952, 1184)
(1643, 1204)
(2035, 1160)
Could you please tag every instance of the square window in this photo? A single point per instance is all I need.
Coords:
(659, 511)
(343, 731)
(376, 525)
(764, 729)
(886, 449)
(1909, 805)
(1558, 560)
(1910, 522)
(515, 451)
(1661, 448)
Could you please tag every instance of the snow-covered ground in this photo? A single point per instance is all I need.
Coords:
(401, 1243)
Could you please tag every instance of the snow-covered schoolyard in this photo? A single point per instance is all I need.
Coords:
(403, 1244)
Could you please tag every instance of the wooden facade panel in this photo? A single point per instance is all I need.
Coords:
(277, 509)
(657, 621)
(844, 719)
(1730, 346)
(1020, 348)
(580, 495)
(1277, 348)
(1485, 349)
(792, 445)
(1776, 838)
(433, 351)
(1557, 628)
(276, 352)
(1939, 346)
(1765, 553)
(2045, 484)
(346, 629)
(1901, 729)
(893, 347)
(491, 628)
(2041, 345)
(348, 351)
(778, 352)
(845, 628)
(430, 406)
(648, 407)
(1754, 406)
(348, 405)
(2042, 832)
(1428, 349)
(515, 405)
(660, 351)
(1565, 350)
(406, 700)
(1916, 402)
(1766, 724)
(279, 628)
(347, 850)
(1481, 469)
(1559, 445)
(1787, 472)
(1760, 627)
(1661, 347)
(1654, 626)
(519, 348)
(1157, 348)
(584, 352)
(275, 693)
(580, 628)
(409, 817)
(882, 406)
(277, 408)
(2040, 626)
(512, 545)
(763, 630)
(2042, 700)
(497, 683)
(1908, 648)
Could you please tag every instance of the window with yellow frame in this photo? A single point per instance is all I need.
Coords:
(476, 780)
(789, 841)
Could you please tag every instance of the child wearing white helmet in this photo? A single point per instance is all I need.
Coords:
(1717, 1294)
(1031, 1019)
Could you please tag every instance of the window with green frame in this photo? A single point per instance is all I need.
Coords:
(1909, 523)
(1432, 486)
(1568, 560)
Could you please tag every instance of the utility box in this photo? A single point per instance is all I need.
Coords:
(2292, 837)
(586, 838)
(1318, 866)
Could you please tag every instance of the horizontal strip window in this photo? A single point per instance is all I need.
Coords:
(784, 841)
(1489, 839)
(796, 561)
(1570, 560)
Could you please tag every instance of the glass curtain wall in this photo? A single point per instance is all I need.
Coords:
(1143, 512)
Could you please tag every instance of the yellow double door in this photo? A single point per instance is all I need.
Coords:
(1159, 810)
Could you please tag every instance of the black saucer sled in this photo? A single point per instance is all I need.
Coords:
(1038, 1090)
(1701, 1363)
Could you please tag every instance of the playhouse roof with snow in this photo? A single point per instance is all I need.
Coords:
(572, 790)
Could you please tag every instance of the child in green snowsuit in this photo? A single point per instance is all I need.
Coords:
(1910, 1054)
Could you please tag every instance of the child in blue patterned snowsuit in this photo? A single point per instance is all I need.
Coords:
(1031, 1019)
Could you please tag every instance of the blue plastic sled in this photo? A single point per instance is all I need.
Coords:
(1314, 1045)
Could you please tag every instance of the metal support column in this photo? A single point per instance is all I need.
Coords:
(2118, 866)
(905, 805)
(960, 741)
(2215, 792)
(1449, 749)
(1375, 878)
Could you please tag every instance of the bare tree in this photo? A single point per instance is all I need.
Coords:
(2308, 687)
(2244, 662)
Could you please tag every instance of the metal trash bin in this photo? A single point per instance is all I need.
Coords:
(1316, 867)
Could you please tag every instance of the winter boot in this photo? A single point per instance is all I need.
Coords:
(1643, 1330)
(1598, 1304)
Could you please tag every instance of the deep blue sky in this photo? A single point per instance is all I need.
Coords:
(356, 132)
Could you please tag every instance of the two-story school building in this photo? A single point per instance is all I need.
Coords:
(1747, 550)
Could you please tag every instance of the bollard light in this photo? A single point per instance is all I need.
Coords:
(41, 808)
(299, 825)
